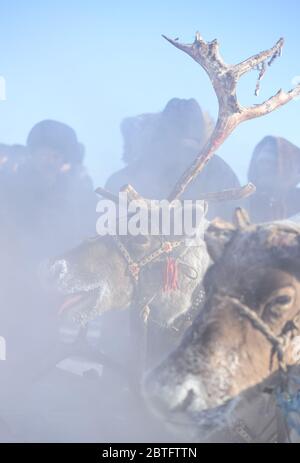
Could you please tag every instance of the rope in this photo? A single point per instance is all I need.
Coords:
(278, 343)
(258, 323)
(170, 275)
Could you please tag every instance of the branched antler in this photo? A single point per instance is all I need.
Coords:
(107, 194)
(232, 194)
(132, 194)
(224, 78)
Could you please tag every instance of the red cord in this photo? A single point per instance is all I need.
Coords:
(170, 275)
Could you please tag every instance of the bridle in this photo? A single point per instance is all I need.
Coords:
(135, 266)
(279, 343)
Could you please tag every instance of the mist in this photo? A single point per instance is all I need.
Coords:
(93, 96)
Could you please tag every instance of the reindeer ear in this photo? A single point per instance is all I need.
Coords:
(241, 218)
(217, 237)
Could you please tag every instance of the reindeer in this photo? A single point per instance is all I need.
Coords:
(234, 377)
(108, 273)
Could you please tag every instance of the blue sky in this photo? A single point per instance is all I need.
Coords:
(91, 63)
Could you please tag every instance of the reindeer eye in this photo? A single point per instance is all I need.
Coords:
(283, 300)
(278, 304)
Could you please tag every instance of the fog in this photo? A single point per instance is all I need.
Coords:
(93, 96)
(52, 388)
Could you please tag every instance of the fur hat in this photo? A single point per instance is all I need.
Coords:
(58, 136)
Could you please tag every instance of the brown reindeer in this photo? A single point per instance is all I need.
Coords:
(245, 340)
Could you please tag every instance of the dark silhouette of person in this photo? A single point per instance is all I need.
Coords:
(275, 171)
(51, 208)
(58, 196)
(158, 148)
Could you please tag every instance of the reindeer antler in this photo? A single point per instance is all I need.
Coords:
(132, 194)
(232, 194)
(224, 78)
(106, 194)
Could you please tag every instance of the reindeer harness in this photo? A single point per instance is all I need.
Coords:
(134, 267)
(170, 277)
(285, 402)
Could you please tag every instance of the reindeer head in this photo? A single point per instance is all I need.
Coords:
(107, 273)
(252, 307)
(110, 272)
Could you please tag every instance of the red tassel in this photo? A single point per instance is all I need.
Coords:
(170, 275)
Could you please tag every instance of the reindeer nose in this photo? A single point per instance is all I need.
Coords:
(163, 395)
(166, 398)
(50, 272)
(58, 269)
